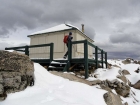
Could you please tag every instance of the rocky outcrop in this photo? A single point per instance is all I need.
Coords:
(120, 87)
(16, 73)
(112, 99)
(128, 61)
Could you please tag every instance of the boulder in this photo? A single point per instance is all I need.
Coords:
(125, 72)
(138, 70)
(112, 99)
(123, 78)
(121, 88)
(127, 61)
(137, 85)
(16, 73)
(123, 91)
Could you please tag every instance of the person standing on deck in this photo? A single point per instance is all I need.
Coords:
(69, 38)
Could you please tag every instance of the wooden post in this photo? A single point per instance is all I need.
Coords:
(106, 59)
(96, 56)
(102, 59)
(86, 58)
(51, 51)
(27, 50)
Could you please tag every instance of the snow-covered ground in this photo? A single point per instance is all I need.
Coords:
(53, 90)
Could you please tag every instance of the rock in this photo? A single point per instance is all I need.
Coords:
(123, 91)
(96, 82)
(129, 83)
(137, 85)
(138, 70)
(125, 72)
(109, 66)
(112, 99)
(123, 78)
(96, 75)
(105, 87)
(16, 72)
(136, 62)
(117, 66)
(120, 87)
(125, 103)
(127, 61)
(1, 89)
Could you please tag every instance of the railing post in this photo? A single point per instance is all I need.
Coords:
(106, 59)
(69, 55)
(86, 58)
(51, 51)
(102, 59)
(96, 56)
(27, 50)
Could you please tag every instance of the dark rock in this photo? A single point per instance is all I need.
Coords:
(138, 70)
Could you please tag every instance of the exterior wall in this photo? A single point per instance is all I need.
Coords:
(59, 47)
(80, 47)
(56, 38)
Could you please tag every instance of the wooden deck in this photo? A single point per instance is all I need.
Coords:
(70, 61)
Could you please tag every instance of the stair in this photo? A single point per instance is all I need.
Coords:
(57, 66)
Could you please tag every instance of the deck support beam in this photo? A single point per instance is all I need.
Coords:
(102, 59)
(27, 50)
(96, 56)
(69, 55)
(106, 59)
(51, 51)
(86, 58)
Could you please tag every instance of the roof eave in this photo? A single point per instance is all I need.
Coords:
(53, 32)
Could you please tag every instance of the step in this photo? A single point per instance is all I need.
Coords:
(57, 65)
(55, 68)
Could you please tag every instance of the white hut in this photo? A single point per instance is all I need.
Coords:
(55, 35)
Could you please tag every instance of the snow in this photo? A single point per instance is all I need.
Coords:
(115, 62)
(10, 50)
(54, 90)
(134, 77)
(53, 62)
(56, 28)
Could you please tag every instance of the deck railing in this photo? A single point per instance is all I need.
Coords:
(86, 60)
(25, 49)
